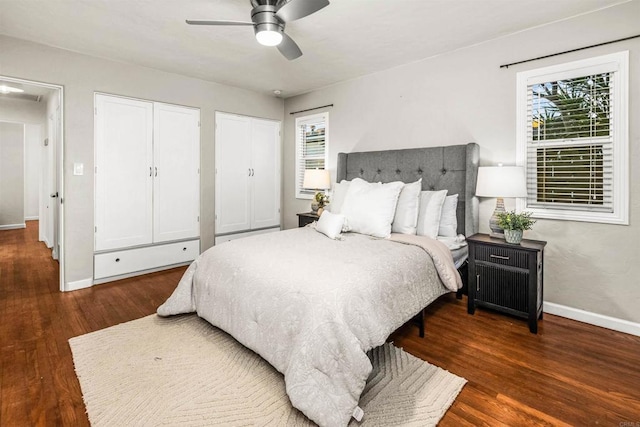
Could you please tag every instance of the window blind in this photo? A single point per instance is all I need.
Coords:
(311, 149)
(570, 143)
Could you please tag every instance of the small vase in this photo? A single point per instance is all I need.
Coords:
(513, 236)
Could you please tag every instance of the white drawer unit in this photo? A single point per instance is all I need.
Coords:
(128, 261)
(229, 237)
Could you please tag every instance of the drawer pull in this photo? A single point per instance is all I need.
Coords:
(506, 258)
(477, 283)
(117, 259)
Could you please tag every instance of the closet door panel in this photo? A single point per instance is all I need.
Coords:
(176, 196)
(123, 182)
(233, 170)
(266, 176)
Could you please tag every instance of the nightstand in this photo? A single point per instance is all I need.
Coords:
(306, 218)
(506, 277)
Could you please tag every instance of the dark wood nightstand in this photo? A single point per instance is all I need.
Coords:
(306, 218)
(506, 277)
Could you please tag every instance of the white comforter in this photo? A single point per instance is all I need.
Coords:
(312, 306)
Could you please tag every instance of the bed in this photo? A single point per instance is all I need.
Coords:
(315, 322)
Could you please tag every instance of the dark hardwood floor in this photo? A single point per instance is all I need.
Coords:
(569, 374)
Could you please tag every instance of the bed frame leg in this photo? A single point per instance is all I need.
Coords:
(421, 326)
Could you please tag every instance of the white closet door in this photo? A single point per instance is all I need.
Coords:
(176, 177)
(266, 176)
(233, 170)
(123, 182)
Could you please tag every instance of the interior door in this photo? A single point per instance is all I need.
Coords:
(176, 175)
(49, 176)
(265, 149)
(123, 174)
(233, 173)
(55, 183)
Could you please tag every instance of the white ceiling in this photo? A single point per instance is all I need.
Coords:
(347, 39)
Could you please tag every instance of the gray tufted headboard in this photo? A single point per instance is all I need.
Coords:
(454, 168)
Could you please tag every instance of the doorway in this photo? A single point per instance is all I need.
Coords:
(32, 152)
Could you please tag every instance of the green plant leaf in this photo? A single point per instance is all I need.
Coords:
(515, 221)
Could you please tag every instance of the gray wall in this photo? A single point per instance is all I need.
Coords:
(464, 96)
(33, 114)
(11, 174)
(81, 75)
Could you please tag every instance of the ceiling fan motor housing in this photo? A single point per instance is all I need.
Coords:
(265, 19)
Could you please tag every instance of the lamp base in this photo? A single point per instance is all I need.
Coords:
(496, 231)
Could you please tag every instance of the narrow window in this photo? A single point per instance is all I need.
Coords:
(312, 136)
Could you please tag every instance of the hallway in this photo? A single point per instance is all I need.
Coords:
(21, 250)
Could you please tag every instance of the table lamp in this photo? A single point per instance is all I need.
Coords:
(316, 179)
(500, 181)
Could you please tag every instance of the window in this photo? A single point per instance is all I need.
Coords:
(312, 137)
(573, 140)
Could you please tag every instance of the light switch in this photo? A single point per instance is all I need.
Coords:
(78, 168)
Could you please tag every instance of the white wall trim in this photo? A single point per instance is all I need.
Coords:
(12, 226)
(32, 218)
(78, 284)
(596, 319)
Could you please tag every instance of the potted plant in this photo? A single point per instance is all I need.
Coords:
(321, 200)
(514, 224)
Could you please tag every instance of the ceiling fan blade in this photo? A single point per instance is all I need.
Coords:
(190, 22)
(296, 9)
(288, 48)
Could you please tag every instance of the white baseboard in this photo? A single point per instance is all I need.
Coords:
(32, 218)
(596, 319)
(78, 284)
(12, 226)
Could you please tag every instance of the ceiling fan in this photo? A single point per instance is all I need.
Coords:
(269, 17)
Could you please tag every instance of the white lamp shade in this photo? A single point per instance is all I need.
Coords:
(501, 181)
(316, 179)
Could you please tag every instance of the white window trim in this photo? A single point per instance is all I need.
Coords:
(300, 120)
(620, 60)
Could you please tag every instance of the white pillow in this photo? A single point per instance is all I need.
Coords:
(406, 218)
(330, 224)
(369, 207)
(337, 198)
(448, 219)
(430, 212)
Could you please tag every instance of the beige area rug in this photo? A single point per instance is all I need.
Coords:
(183, 371)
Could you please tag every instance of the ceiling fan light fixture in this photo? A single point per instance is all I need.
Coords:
(269, 37)
(269, 18)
